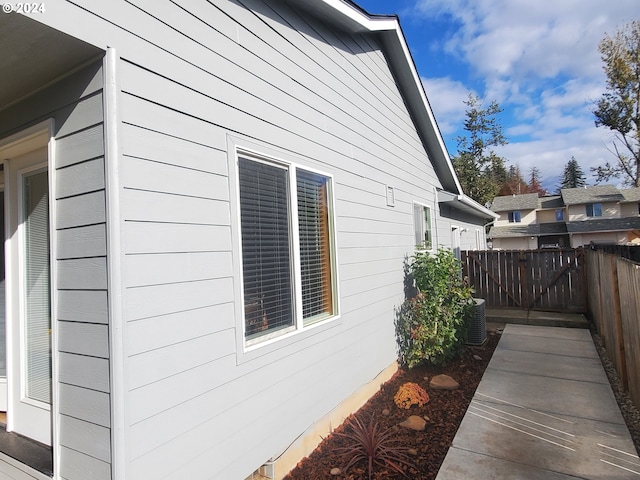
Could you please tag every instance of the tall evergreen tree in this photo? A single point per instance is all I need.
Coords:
(573, 176)
(476, 164)
(534, 185)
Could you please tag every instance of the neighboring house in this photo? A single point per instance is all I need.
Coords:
(516, 227)
(207, 209)
(600, 214)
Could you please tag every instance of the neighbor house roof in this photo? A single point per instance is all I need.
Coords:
(518, 230)
(631, 195)
(596, 194)
(351, 17)
(527, 201)
(533, 229)
(551, 201)
(604, 225)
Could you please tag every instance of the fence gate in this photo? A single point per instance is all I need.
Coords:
(552, 280)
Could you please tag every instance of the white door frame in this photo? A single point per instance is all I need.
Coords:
(34, 138)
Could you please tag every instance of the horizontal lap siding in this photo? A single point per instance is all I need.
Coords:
(83, 359)
(75, 104)
(264, 71)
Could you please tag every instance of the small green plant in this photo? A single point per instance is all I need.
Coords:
(432, 326)
(366, 441)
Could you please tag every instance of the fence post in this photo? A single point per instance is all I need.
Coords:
(522, 267)
(617, 319)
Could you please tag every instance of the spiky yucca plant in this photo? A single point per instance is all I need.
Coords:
(367, 441)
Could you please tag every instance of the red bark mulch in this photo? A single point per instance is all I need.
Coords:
(444, 411)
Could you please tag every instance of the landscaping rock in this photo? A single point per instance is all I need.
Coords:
(443, 382)
(335, 471)
(386, 412)
(412, 451)
(414, 422)
(477, 357)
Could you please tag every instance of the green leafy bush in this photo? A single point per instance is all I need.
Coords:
(432, 326)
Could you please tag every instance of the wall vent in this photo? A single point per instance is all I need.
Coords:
(391, 197)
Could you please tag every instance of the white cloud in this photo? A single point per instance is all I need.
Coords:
(524, 39)
(446, 97)
(541, 64)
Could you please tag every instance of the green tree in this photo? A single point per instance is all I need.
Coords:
(573, 176)
(476, 164)
(619, 107)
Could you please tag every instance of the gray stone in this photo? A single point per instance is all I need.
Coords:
(414, 422)
(443, 382)
(477, 357)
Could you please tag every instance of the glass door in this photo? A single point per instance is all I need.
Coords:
(29, 303)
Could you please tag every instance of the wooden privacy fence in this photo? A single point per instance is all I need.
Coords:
(550, 280)
(614, 307)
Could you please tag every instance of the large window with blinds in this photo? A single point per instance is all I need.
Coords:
(287, 247)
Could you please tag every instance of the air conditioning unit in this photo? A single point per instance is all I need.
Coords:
(477, 331)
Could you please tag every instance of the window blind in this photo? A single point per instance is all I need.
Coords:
(36, 284)
(266, 251)
(315, 257)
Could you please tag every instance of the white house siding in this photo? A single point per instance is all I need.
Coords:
(191, 79)
(579, 212)
(546, 216)
(519, 243)
(527, 217)
(629, 209)
(75, 104)
(582, 239)
(469, 228)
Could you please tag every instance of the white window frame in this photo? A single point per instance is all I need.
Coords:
(420, 246)
(278, 159)
(592, 206)
(511, 216)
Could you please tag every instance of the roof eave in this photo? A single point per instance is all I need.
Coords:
(464, 203)
(351, 17)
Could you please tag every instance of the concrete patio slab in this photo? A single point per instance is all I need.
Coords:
(586, 369)
(544, 409)
(470, 465)
(534, 317)
(550, 394)
(559, 333)
(555, 346)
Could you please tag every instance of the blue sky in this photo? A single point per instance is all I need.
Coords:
(538, 59)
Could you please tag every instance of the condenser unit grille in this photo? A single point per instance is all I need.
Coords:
(477, 333)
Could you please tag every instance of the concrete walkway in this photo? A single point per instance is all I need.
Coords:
(543, 410)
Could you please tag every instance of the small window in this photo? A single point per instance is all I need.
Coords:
(594, 209)
(422, 226)
(274, 258)
(559, 215)
(514, 216)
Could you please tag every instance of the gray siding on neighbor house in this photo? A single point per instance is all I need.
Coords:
(260, 73)
(75, 104)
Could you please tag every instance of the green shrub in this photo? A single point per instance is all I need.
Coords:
(432, 326)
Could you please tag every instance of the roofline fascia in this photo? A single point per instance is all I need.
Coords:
(351, 15)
